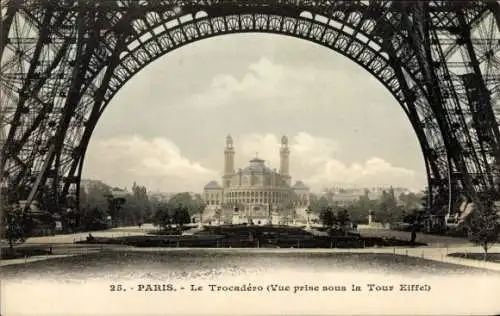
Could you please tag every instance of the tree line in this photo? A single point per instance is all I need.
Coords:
(385, 209)
(101, 207)
(178, 210)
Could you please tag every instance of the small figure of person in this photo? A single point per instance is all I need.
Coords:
(413, 235)
(90, 237)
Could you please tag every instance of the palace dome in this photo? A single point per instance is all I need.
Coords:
(257, 165)
(213, 185)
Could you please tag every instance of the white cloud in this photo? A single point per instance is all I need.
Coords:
(373, 172)
(159, 163)
(267, 83)
(265, 145)
(156, 163)
(313, 160)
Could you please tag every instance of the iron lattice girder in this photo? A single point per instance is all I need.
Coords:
(370, 34)
(184, 38)
(460, 138)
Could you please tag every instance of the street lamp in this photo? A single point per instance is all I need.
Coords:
(218, 214)
(270, 213)
(308, 212)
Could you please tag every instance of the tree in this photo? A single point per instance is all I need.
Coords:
(181, 216)
(17, 225)
(137, 206)
(13, 227)
(198, 206)
(94, 219)
(387, 211)
(93, 202)
(161, 216)
(483, 225)
(116, 200)
(413, 217)
(143, 206)
(178, 210)
(192, 202)
(93, 194)
(317, 204)
(359, 209)
(343, 217)
(327, 216)
(411, 201)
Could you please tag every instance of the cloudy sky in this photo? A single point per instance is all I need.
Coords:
(166, 128)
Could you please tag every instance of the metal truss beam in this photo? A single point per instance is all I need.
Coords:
(62, 63)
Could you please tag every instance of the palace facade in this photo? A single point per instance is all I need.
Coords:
(256, 193)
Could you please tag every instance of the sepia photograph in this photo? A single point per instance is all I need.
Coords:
(249, 157)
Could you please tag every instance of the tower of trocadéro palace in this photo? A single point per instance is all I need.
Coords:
(228, 162)
(285, 160)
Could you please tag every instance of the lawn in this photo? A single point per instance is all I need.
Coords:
(23, 252)
(492, 257)
(421, 237)
(177, 264)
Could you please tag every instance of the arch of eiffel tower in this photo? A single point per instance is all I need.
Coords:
(62, 61)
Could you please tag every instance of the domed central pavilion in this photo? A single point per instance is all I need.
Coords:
(255, 194)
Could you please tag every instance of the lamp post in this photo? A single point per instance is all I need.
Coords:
(218, 212)
(200, 222)
(308, 212)
(270, 213)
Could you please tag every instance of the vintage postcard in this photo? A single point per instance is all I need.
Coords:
(237, 157)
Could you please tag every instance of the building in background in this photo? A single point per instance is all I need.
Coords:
(344, 195)
(256, 193)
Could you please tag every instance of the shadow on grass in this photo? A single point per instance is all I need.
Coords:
(24, 252)
(492, 257)
(188, 264)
